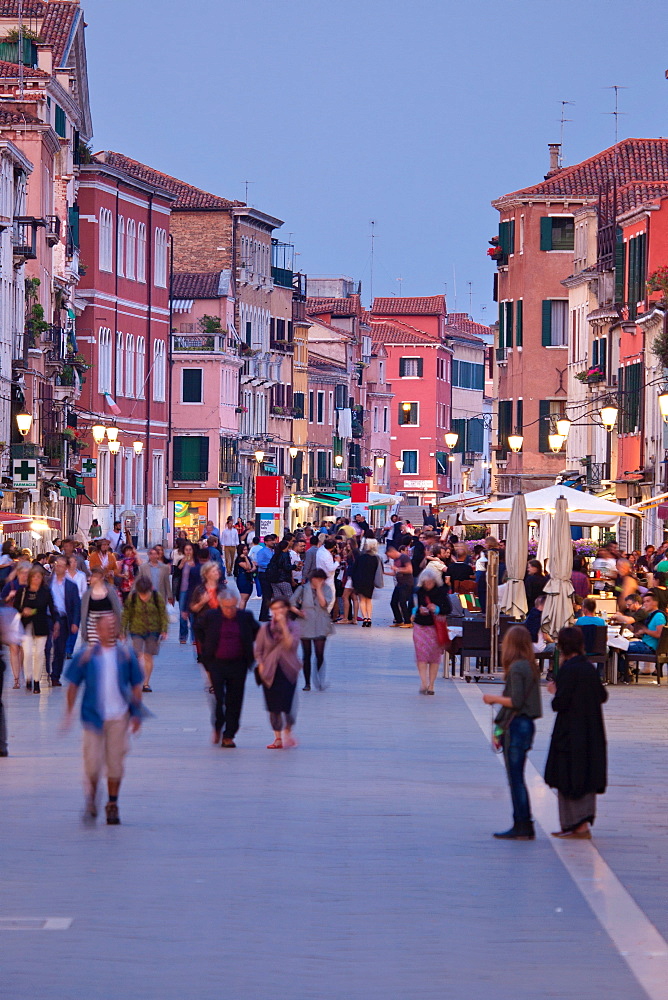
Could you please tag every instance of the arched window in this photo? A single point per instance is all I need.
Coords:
(106, 240)
(140, 366)
(119, 364)
(141, 252)
(120, 246)
(160, 271)
(159, 371)
(131, 249)
(129, 365)
(104, 360)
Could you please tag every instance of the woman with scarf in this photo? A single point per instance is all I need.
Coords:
(278, 667)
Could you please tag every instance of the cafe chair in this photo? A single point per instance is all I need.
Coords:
(659, 658)
(596, 646)
(476, 643)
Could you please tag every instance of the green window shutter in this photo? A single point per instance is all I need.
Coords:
(621, 420)
(511, 236)
(455, 372)
(505, 425)
(73, 222)
(191, 459)
(402, 367)
(546, 330)
(519, 323)
(420, 367)
(620, 262)
(322, 465)
(546, 233)
(504, 238)
(603, 354)
(509, 324)
(594, 354)
(474, 434)
(502, 324)
(60, 124)
(177, 461)
(543, 424)
(519, 423)
(459, 427)
(298, 404)
(441, 463)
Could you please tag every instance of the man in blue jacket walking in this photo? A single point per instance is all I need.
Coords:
(68, 610)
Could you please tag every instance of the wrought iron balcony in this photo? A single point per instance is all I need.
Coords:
(212, 343)
(24, 237)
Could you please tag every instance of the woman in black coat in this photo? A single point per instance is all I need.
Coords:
(577, 760)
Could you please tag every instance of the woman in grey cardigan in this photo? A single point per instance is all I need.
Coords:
(100, 598)
(312, 600)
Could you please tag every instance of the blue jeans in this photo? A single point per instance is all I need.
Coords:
(185, 624)
(637, 646)
(518, 742)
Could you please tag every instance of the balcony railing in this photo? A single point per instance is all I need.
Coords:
(213, 343)
(501, 355)
(24, 237)
(52, 229)
(284, 411)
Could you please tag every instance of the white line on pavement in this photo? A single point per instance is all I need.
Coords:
(634, 936)
(35, 923)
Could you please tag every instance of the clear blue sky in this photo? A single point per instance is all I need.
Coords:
(413, 113)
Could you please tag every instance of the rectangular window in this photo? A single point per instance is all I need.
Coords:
(557, 232)
(475, 433)
(506, 241)
(519, 323)
(509, 324)
(441, 463)
(410, 367)
(386, 418)
(322, 465)
(60, 123)
(637, 269)
(191, 459)
(629, 393)
(409, 418)
(375, 419)
(555, 323)
(341, 397)
(505, 426)
(468, 375)
(549, 411)
(620, 266)
(103, 477)
(191, 385)
(410, 460)
(458, 426)
(519, 422)
(330, 409)
(298, 404)
(321, 408)
(158, 475)
(311, 414)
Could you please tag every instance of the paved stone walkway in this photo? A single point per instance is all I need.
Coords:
(358, 866)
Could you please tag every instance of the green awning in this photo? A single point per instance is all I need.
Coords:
(324, 502)
(335, 498)
(235, 490)
(68, 491)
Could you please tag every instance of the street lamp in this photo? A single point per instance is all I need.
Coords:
(112, 434)
(663, 404)
(563, 426)
(406, 407)
(293, 452)
(138, 447)
(451, 439)
(380, 460)
(399, 465)
(515, 442)
(98, 431)
(609, 416)
(24, 423)
(338, 461)
(114, 447)
(555, 442)
(259, 456)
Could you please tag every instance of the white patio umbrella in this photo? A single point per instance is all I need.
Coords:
(558, 610)
(583, 508)
(514, 601)
(544, 529)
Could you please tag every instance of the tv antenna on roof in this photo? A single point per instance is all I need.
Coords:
(246, 183)
(616, 87)
(563, 122)
(372, 237)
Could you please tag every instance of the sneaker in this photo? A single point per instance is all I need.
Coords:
(113, 819)
(35, 687)
(56, 684)
(228, 743)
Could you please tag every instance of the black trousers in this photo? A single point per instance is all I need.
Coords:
(319, 645)
(228, 678)
(401, 602)
(267, 594)
(58, 646)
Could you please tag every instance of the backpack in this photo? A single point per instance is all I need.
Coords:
(272, 571)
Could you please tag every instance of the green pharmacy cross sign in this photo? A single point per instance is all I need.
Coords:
(24, 473)
(89, 468)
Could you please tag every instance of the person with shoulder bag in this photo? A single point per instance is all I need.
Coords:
(429, 639)
(367, 575)
(514, 725)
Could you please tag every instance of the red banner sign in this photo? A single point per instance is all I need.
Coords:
(359, 492)
(269, 492)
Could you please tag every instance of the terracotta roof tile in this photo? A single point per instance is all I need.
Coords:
(9, 70)
(59, 21)
(634, 162)
(188, 198)
(202, 285)
(12, 116)
(424, 305)
(350, 306)
(399, 333)
(31, 8)
(461, 325)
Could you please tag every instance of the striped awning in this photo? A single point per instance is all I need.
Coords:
(182, 305)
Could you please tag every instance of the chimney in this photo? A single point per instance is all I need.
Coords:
(555, 154)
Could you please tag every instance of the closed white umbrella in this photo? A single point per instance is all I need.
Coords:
(543, 550)
(514, 601)
(558, 610)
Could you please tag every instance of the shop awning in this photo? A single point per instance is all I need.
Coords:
(656, 501)
(323, 501)
(15, 523)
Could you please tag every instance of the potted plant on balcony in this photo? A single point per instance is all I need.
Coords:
(241, 409)
(592, 376)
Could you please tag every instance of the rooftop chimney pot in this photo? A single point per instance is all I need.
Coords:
(555, 154)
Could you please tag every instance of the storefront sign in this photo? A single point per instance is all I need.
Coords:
(24, 473)
(418, 484)
(269, 505)
(359, 508)
(359, 493)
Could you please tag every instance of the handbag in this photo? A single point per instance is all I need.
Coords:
(379, 579)
(442, 633)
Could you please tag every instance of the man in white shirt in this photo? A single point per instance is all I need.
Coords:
(229, 539)
(297, 560)
(325, 560)
(115, 538)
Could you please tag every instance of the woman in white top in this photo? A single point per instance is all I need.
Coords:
(77, 575)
